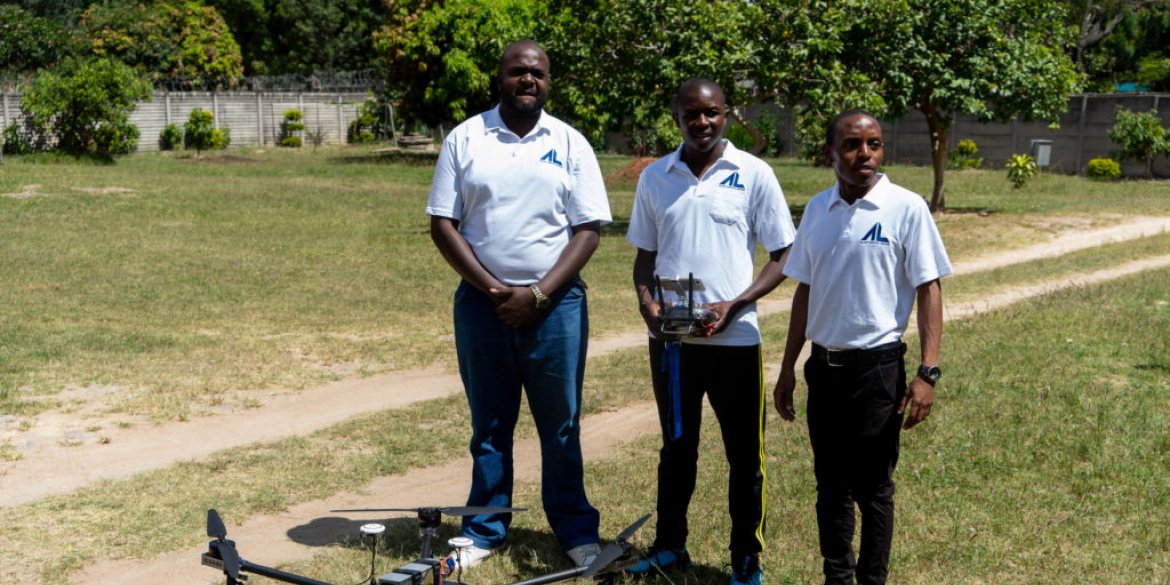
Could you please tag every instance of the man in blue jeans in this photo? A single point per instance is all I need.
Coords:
(516, 207)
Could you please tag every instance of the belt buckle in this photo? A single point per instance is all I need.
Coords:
(829, 358)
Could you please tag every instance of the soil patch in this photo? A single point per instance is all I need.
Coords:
(630, 172)
(26, 192)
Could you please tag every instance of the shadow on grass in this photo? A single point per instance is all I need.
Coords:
(1161, 367)
(980, 211)
(53, 158)
(390, 156)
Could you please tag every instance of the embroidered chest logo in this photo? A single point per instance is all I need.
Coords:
(550, 157)
(874, 235)
(732, 182)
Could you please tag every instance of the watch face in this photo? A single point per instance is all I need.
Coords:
(930, 373)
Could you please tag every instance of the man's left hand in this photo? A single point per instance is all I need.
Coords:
(725, 311)
(920, 397)
(515, 305)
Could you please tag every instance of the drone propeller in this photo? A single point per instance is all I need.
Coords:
(446, 511)
(614, 550)
(632, 528)
(227, 549)
(215, 527)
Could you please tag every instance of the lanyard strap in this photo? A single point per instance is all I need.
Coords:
(670, 365)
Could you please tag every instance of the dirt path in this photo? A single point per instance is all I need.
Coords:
(56, 467)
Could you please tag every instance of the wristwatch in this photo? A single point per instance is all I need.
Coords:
(542, 299)
(930, 374)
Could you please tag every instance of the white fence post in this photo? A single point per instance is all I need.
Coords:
(259, 119)
(340, 123)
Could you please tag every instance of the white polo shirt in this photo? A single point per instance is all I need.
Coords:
(863, 264)
(710, 227)
(517, 199)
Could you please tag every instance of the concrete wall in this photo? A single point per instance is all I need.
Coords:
(254, 118)
(1082, 135)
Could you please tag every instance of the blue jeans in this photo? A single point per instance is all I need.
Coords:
(547, 359)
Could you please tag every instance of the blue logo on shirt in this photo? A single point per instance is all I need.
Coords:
(874, 235)
(550, 157)
(732, 182)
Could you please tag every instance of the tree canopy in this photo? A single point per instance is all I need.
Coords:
(993, 59)
(167, 39)
(619, 68)
(303, 36)
(29, 42)
(441, 58)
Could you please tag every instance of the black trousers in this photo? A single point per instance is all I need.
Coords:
(854, 427)
(732, 379)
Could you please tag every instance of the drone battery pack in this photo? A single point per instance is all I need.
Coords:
(413, 574)
(395, 579)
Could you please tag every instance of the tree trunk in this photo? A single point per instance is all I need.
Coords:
(939, 133)
(759, 142)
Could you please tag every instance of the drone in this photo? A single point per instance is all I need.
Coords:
(223, 555)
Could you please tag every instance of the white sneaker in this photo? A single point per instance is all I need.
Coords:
(585, 554)
(471, 556)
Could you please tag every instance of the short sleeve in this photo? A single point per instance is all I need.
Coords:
(926, 257)
(643, 231)
(589, 201)
(799, 264)
(771, 219)
(444, 200)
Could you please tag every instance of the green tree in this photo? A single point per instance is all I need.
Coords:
(619, 68)
(29, 42)
(85, 99)
(303, 36)
(169, 39)
(993, 59)
(1121, 41)
(1141, 137)
(441, 58)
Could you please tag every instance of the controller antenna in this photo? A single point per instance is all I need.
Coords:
(372, 531)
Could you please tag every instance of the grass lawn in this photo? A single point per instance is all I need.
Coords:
(183, 286)
(186, 286)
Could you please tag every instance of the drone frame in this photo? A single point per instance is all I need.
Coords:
(222, 555)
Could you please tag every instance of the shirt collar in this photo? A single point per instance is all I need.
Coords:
(874, 199)
(732, 157)
(493, 122)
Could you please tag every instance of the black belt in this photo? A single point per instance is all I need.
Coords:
(859, 357)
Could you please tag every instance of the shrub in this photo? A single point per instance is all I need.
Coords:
(171, 137)
(365, 127)
(739, 136)
(315, 136)
(201, 134)
(291, 129)
(112, 139)
(79, 97)
(963, 156)
(220, 139)
(1140, 136)
(1104, 169)
(1021, 168)
(15, 142)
